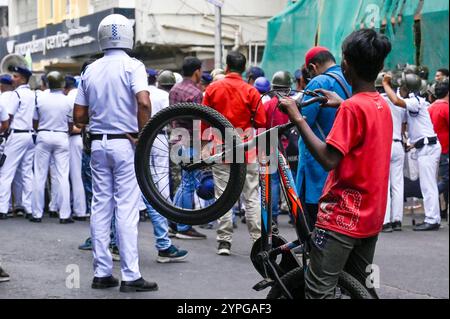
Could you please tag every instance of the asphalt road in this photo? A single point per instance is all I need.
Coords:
(40, 257)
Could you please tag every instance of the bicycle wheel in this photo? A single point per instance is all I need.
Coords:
(170, 144)
(348, 287)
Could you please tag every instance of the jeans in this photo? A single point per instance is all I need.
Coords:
(185, 194)
(276, 193)
(87, 180)
(160, 228)
(333, 253)
(443, 178)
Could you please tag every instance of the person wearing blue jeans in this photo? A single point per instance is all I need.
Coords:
(185, 197)
(166, 251)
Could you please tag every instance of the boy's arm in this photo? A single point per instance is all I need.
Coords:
(327, 156)
(391, 93)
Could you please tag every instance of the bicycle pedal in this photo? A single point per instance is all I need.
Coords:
(263, 284)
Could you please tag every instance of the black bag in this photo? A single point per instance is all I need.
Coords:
(292, 151)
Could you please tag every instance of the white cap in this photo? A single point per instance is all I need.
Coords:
(116, 32)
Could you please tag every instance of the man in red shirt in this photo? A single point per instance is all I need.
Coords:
(439, 112)
(240, 103)
(357, 153)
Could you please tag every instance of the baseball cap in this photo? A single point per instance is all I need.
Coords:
(311, 54)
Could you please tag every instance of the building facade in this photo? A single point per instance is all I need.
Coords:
(61, 34)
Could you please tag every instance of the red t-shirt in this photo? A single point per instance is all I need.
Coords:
(439, 112)
(275, 117)
(355, 194)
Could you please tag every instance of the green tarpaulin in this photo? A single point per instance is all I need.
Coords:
(327, 22)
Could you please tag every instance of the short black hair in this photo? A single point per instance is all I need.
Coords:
(236, 62)
(441, 89)
(443, 71)
(190, 65)
(151, 80)
(365, 51)
(322, 58)
(305, 74)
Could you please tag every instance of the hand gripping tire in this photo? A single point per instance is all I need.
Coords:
(148, 186)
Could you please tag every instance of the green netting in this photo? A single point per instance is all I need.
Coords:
(435, 39)
(401, 33)
(292, 33)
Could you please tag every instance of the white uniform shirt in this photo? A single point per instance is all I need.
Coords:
(108, 88)
(4, 116)
(5, 100)
(72, 95)
(419, 120)
(53, 111)
(159, 99)
(398, 117)
(22, 107)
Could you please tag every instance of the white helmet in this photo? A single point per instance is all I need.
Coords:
(115, 32)
(178, 77)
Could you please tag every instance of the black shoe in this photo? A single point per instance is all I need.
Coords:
(66, 221)
(427, 227)
(29, 216)
(143, 216)
(139, 285)
(3, 216)
(53, 214)
(224, 248)
(387, 228)
(20, 212)
(80, 219)
(4, 277)
(397, 226)
(10, 214)
(35, 220)
(105, 283)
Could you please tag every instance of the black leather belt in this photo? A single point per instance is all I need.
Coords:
(162, 132)
(22, 131)
(99, 137)
(398, 141)
(75, 134)
(421, 143)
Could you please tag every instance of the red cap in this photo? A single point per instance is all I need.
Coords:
(313, 52)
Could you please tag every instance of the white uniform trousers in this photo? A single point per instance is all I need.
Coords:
(394, 212)
(428, 160)
(76, 181)
(17, 191)
(53, 204)
(19, 152)
(115, 190)
(50, 144)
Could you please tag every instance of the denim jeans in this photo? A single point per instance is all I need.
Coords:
(185, 194)
(276, 192)
(160, 228)
(86, 175)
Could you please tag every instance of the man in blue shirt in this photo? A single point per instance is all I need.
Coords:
(311, 177)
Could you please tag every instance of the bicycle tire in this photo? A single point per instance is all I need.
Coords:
(295, 283)
(236, 180)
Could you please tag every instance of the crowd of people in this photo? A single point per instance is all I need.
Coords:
(72, 141)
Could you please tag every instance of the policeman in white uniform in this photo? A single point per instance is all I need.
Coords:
(113, 98)
(52, 116)
(5, 94)
(394, 212)
(18, 147)
(424, 139)
(76, 150)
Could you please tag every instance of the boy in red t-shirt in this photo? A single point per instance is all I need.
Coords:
(357, 153)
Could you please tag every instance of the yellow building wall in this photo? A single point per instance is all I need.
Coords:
(56, 11)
